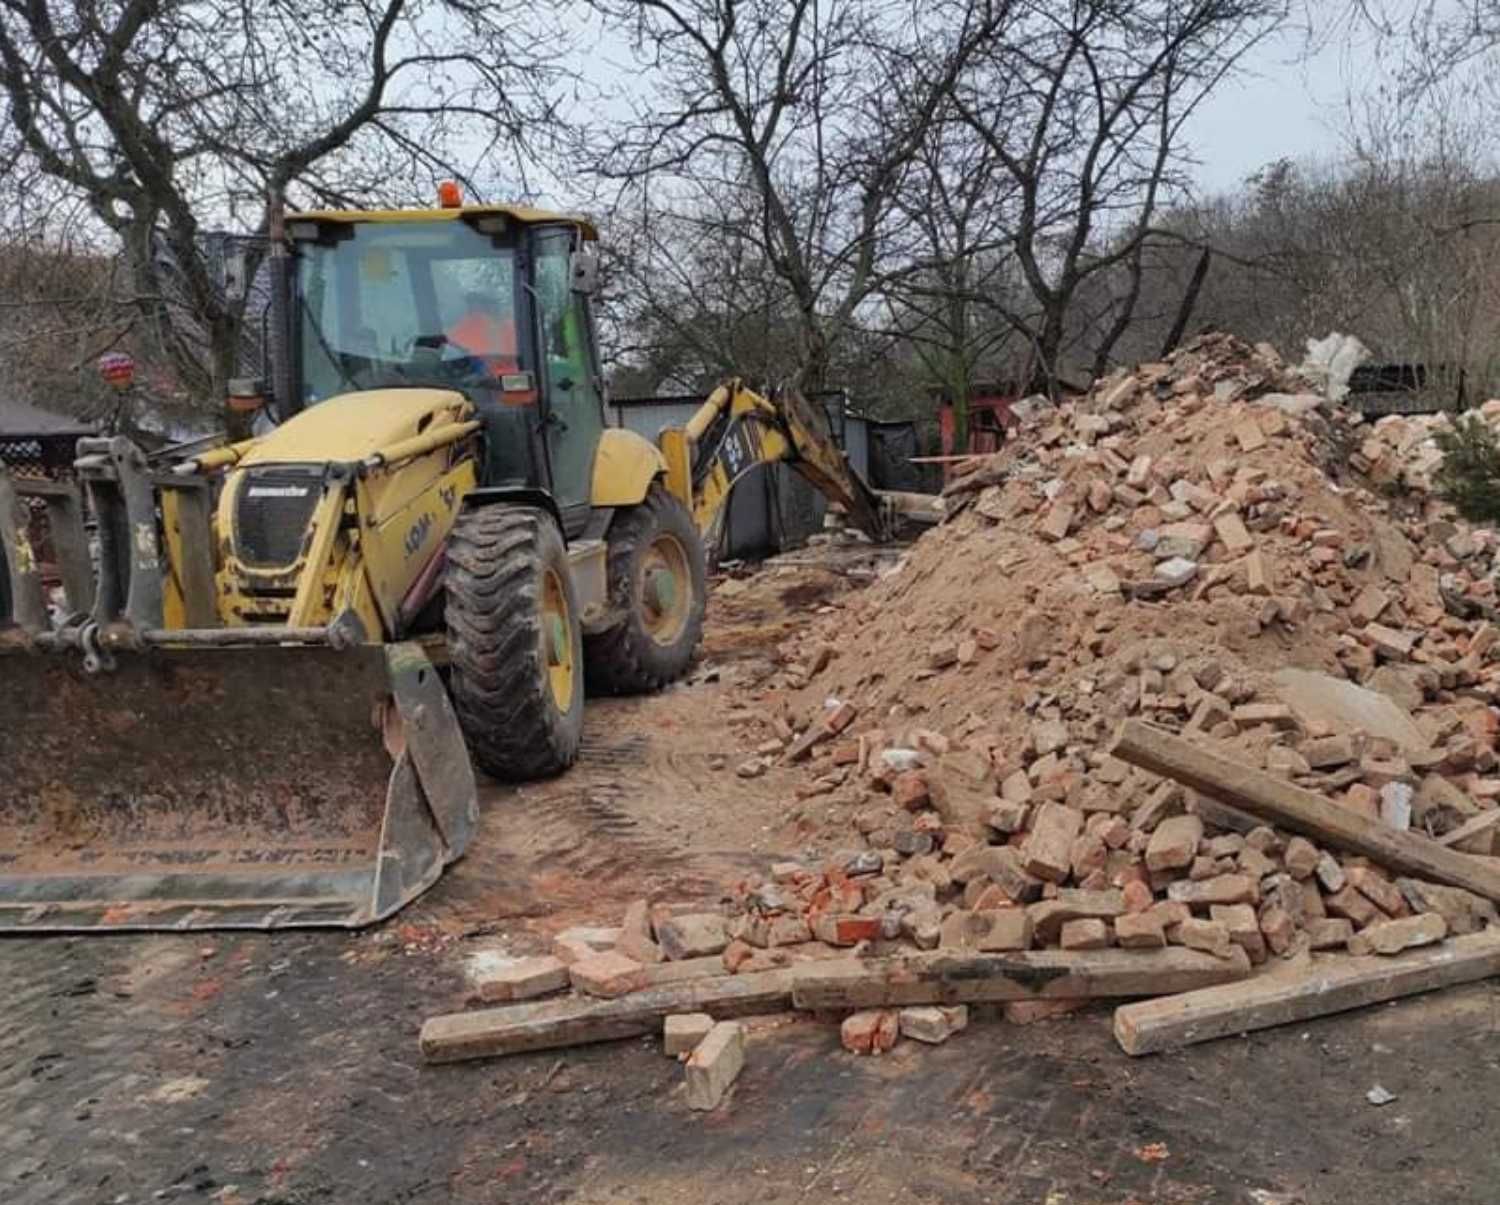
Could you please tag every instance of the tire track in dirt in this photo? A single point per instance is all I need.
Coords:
(582, 846)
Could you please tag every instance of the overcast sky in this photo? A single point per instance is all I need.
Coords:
(1286, 104)
(1288, 101)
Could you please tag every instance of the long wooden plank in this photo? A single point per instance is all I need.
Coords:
(659, 974)
(1301, 811)
(1479, 824)
(948, 977)
(487, 1033)
(1332, 984)
(924, 508)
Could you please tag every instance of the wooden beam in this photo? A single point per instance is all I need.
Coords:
(1278, 801)
(922, 508)
(953, 977)
(659, 974)
(1332, 983)
(1479, 824)
(487, 1033)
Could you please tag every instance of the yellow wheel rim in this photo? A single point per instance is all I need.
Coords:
(557, 640)
(666, 589)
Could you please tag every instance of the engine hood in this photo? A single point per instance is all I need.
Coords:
(352, 426)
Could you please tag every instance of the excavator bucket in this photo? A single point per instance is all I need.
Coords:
(226, 788)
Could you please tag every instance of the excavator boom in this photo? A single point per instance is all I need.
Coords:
(737, 431)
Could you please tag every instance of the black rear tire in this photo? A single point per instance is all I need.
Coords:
(654, 642)
(512, 620)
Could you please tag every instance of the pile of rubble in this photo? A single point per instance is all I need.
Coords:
(1401, 453)
(1193, 544)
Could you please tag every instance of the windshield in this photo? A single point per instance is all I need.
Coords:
(405, 303)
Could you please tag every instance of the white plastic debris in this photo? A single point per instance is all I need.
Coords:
(1331, 361)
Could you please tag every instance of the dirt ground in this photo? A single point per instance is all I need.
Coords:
(284, 1068)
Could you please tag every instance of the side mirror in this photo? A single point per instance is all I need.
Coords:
(583, 272)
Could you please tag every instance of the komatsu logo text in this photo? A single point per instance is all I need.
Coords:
(417, 536)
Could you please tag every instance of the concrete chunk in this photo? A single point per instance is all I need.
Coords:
(933, 1023)
(681, 1032)
(694, 935)
(521, 978)
(715, 1065)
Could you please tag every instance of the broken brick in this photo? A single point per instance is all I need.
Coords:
(1206, 935)
(1048, 849)
(1353, 906)
(1301, 858)
(1174, 844)
(522, 979)
(933, 1024)
(1329, 932)
(1278, 928)
(607, 975)
(996, 930)
(1140, 931)
(692, 935)
(870, 1032)
(1393, 936)
(1085, 934)
(845, 929)
(681, 1032)
(1379, 891)
(910, 790)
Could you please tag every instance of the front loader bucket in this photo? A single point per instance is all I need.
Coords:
(233, 788)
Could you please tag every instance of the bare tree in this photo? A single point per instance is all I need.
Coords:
(167, 117)
(690, 300)
(959, 280)
(813, 108)
(1084, 106)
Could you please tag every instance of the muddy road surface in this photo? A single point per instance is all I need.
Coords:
(247, 1068)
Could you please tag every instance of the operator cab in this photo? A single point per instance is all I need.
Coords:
(490, 301)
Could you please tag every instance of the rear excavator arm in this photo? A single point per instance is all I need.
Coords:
(737, 431)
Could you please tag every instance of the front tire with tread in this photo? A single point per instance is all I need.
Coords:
(499, 560)
(628, 659)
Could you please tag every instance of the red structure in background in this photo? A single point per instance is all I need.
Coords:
(989, 419)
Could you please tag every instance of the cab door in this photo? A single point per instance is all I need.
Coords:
(573, 407)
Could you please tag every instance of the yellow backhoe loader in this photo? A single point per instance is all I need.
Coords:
(258, 703)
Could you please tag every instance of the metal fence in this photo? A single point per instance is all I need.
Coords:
(48, 456)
